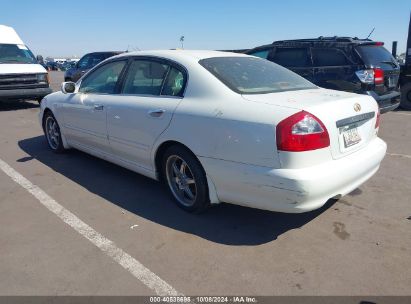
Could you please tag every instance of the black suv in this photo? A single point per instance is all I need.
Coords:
(86, 63)
(341, 63)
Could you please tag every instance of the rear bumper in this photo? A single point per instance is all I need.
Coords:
(24, 94)
(387, 102)
(293, 190)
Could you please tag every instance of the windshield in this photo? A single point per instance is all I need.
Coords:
(16, 53)
(91, 60)
(250, 75)
(372, 54)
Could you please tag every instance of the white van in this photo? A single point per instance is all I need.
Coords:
(21, 76)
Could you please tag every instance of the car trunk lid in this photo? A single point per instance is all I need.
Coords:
(349, 118)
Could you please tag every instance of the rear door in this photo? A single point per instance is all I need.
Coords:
(297, 59)
(151, 91)
(334, 70)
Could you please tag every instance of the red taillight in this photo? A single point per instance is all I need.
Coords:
(378, 76)
(301, 132)
(379, 43)
(377, 121)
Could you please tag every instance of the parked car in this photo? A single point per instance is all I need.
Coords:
(340, 63)
(52, 66)
(21, 76)
(219, 127)
(87, 62)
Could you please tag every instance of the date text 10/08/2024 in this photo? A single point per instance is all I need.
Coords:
(203, 299)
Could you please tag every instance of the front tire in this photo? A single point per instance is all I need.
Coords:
(406, 96)
(185, 179)
(52, 132)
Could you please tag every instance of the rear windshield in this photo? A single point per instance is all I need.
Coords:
(16, 53)
(250, 75)
(372, 54)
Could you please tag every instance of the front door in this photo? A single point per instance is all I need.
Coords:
(85, 112)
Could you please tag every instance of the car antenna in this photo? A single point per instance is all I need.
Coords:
(370, 33)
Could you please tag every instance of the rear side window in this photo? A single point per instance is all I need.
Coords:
(329, 57)
(375, 55)
(145, 78)
(174, 84)
(292, 57)
(261, 53)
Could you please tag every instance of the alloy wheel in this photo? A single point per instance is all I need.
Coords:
(52, 132)
(181, 180)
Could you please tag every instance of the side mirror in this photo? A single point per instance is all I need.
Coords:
(68, 87)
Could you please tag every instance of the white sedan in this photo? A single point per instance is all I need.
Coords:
(219, 127)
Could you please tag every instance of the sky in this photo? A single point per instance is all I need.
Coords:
(72, 28)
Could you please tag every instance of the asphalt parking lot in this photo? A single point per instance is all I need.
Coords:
(359, 245)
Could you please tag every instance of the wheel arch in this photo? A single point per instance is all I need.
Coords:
(158, 155)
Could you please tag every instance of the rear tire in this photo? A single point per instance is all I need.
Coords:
(52, 132)
(406, 96)
(185, 179)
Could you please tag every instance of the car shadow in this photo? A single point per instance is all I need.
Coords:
(17, 105)
(225, 224)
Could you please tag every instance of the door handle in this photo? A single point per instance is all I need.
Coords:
(98, 107)
(156, 113)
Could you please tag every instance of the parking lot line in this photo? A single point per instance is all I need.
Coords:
(138, 270)
(399, 155)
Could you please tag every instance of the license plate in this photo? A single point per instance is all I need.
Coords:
(351, 137)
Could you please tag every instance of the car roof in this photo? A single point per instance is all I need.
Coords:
(336, 41)
(108, 52)
(340, 39)
(181, 55)
(9, 36)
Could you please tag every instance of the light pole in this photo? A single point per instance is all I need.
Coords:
(182, 42)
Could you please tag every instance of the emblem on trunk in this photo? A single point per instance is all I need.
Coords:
(357, 107)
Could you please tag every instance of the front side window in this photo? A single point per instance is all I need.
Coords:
(16, 53)
(292, 57)
(329, 57)
(104, 79)
(250, 75)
